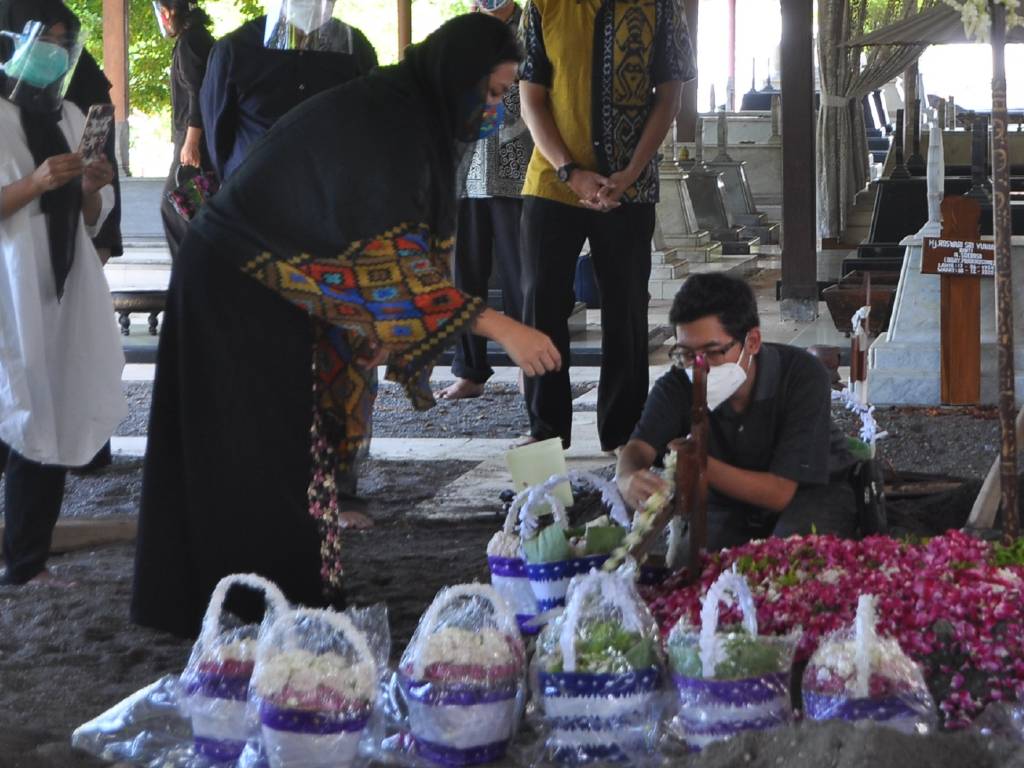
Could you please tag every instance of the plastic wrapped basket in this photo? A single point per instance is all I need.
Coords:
(215, 690)
(550, 581)
(458, 723)
(898, 699)
(713, 709)
(598, 717)
(509, 579)
(324, 733)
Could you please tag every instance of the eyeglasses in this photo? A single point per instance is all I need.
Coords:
(684, 357)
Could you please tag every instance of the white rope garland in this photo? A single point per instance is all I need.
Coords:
(869, 431)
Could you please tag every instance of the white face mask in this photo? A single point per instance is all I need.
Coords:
(308, 15)
(724, 380)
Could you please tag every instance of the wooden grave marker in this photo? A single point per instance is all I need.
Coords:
(961, 259)
(691, 478)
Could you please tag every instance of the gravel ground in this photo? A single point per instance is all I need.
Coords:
(958, 442)
(499, 412)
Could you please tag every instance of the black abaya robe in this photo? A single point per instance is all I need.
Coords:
(335, 234)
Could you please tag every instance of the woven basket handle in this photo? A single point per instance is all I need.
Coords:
(275, 601)
(730, 581)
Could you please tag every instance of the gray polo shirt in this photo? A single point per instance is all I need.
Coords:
(787, 428)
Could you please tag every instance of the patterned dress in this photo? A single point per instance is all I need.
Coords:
(332, 239)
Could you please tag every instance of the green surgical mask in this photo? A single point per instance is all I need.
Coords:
(39, 64)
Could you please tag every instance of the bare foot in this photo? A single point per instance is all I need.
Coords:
(355, 520)
(524, 441)
(462, 389)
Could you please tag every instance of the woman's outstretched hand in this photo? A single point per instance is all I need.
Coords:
(530, 349)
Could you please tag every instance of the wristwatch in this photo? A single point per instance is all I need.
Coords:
(566, 171)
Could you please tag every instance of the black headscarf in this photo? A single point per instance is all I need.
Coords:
(63, 205)
(358, 160)
(450, 69)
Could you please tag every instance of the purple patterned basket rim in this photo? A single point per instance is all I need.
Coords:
(821, 706)
(751, 690)
(729, 727)
(453, 757)
(218, 686)
(564, 568)
(219, 749)
(310, 721)
(457, 694)
(571, 684)
(510, 567)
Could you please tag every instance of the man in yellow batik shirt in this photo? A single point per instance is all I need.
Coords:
(600, 87)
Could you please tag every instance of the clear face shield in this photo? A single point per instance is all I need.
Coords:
(161, 22)
(306, 25)
(37, 66)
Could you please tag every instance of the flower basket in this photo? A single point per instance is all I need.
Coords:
(215, 682)
(313, 689)
(462, 677)
(508, 573)
(860, 676)
(600, 674)
(549, 574)
(733, 681)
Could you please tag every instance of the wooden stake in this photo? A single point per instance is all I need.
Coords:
(1004, 283)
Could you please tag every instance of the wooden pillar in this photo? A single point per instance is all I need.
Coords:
(404, 26)
(115, 66)
(799, 213)
(686, 120)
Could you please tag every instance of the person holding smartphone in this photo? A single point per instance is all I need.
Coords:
(60, 354)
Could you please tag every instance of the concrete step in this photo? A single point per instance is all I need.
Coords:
(669, 271)
(703, 254)
(691, 240)
(768, 233)
(669, 256)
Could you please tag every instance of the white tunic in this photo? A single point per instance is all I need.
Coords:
(60, 362)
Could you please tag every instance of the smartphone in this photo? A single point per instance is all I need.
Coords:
(98, 125)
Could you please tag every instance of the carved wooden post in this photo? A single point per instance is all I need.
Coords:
(1004, 285)
(691, 501)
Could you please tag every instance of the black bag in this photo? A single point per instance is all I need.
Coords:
(869, 491)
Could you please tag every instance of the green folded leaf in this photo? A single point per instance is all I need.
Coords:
(548, 546)
(603, 540)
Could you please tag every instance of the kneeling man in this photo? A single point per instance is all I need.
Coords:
(777, 465)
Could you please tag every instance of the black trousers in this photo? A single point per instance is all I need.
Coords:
(824, 509)
(620, 241)
(32, 499)
(487, 230)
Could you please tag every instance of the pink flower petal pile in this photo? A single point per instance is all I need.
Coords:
(952, 610)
